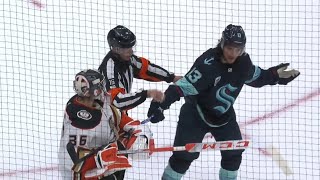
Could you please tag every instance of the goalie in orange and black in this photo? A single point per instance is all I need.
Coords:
(120, 66)
(91, 122)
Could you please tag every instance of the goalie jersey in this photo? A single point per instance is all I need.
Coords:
(88, 128)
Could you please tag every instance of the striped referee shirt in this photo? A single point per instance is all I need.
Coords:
(119, 77)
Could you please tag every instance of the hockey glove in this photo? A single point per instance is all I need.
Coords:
(156, 112)
(138, 137)
(281, 76)
(108, 162)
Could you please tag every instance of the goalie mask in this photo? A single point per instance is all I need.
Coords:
(89, 83)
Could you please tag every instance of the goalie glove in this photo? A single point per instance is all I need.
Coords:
(138, 136)
(104, 163)
(281, 76)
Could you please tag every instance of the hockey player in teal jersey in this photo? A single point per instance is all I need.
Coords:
(210, 89)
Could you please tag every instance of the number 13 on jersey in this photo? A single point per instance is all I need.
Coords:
(194, 75)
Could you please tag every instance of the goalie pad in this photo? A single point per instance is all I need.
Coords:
(138, 137)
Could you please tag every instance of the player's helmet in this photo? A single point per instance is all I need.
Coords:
(122, 37)
(233, 35)
(89, 82)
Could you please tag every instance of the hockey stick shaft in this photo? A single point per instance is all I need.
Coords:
(195, 147)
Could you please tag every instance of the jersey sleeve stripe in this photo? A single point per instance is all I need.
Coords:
(129, 100)
(256, 75)
(186, 87)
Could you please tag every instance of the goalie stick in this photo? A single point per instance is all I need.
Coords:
(190, 147)
(196, 147)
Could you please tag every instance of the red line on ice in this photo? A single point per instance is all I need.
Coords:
(35, 170)
(276, 112)
(283, 109)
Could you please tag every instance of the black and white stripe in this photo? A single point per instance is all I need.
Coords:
(118, 77)
(129, 100)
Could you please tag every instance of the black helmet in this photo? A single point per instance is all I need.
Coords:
(233, 35)
(122, 37)
(88, 82)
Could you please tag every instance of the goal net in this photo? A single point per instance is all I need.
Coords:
(45, 43)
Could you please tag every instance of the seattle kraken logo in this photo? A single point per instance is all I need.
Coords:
(225, 98)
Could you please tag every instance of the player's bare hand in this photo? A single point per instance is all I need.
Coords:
(155, 94)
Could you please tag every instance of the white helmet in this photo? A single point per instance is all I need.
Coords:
(89, 83)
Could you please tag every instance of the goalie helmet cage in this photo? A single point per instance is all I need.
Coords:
(45, 43)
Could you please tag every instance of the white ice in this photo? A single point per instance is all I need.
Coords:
(42, 48)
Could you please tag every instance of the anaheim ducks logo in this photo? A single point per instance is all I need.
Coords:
(83, 114)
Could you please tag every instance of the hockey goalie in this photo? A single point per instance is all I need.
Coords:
(90, 122)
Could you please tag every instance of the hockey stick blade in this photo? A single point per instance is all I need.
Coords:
(279, 159)
(196, 147)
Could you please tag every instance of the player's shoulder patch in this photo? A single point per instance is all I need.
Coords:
(208, 60)
(84, 114)
(82, 117)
